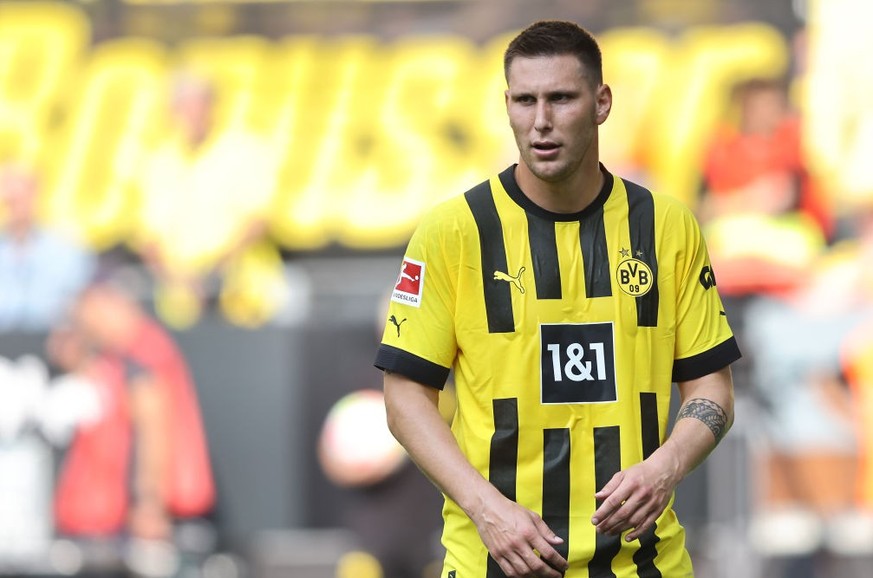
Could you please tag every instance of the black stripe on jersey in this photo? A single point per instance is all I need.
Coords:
(556, 485)
(544, 254)
(644, 558)
(504, 459)
(607, 463)
(393, 359)
(493, 569)
(595, 256)
(707, 362)
(651, 437)
(504, 446)
(649, 427)
(498, 295)
(641, 223)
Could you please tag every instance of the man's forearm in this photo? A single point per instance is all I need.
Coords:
(414, 419)
(517, 538)
(712, 415)
(705, 416)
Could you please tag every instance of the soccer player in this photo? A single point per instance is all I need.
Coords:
(567, 300)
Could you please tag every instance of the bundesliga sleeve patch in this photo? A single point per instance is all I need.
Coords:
(410, 283)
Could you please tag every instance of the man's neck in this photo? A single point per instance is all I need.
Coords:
(568, 196)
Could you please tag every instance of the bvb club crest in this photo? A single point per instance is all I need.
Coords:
(634, 277)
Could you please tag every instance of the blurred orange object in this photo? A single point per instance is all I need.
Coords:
(857, 363)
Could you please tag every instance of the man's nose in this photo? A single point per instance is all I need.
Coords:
(543, 120)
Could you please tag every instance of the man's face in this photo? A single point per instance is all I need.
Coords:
(554, 111)
(763, 110)
(18, 195)
(192, 107)
(102, 318)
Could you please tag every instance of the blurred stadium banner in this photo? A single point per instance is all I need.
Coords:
(369, 131)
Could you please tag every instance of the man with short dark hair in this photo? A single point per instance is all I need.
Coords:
(567, 300)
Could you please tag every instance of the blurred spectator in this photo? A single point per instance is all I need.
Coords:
(857, 347)
(92, 493)
(805, 344)
(41, 268)
(756, 164)
(765, 217)
(393, 509)
(205, 195)
(858, 368)
(795, 300)
(143, 464)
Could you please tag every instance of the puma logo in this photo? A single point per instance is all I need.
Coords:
(501, 276)
(396, 323)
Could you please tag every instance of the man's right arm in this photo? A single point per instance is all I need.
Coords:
(509, 531)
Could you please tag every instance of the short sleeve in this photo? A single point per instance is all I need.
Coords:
(704, 340)
(419, 339)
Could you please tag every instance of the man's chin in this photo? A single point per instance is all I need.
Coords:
(549, 171)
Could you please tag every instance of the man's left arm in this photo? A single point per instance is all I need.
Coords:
(635, 497)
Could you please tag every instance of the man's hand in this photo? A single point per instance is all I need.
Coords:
(635, 497)
(519, 540)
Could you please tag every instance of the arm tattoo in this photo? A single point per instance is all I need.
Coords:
(709, 413)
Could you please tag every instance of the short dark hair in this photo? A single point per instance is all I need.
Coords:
(554, 38)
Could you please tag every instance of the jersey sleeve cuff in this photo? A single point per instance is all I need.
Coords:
(416, 368)
(707, 362)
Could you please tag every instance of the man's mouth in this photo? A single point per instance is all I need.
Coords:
(545, 148)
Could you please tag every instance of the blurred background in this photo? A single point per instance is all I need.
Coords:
(204, 204)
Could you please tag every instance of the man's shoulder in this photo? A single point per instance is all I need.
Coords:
(664, 203)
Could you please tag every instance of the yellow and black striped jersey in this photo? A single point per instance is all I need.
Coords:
(565, 332)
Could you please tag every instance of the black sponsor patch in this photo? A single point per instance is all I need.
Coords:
(577, 363)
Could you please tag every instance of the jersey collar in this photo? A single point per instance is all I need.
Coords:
(510, 185)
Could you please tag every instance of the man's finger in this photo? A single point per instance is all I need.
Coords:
(641, 529)
(635, 511)
(543, 545)
(610, 486)
(619, 520)
(547, 532)
(551, 556)
(612, 501)
(543, 568)
(510, 567)
(528, 564)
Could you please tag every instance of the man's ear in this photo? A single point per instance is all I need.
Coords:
(603, 103)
